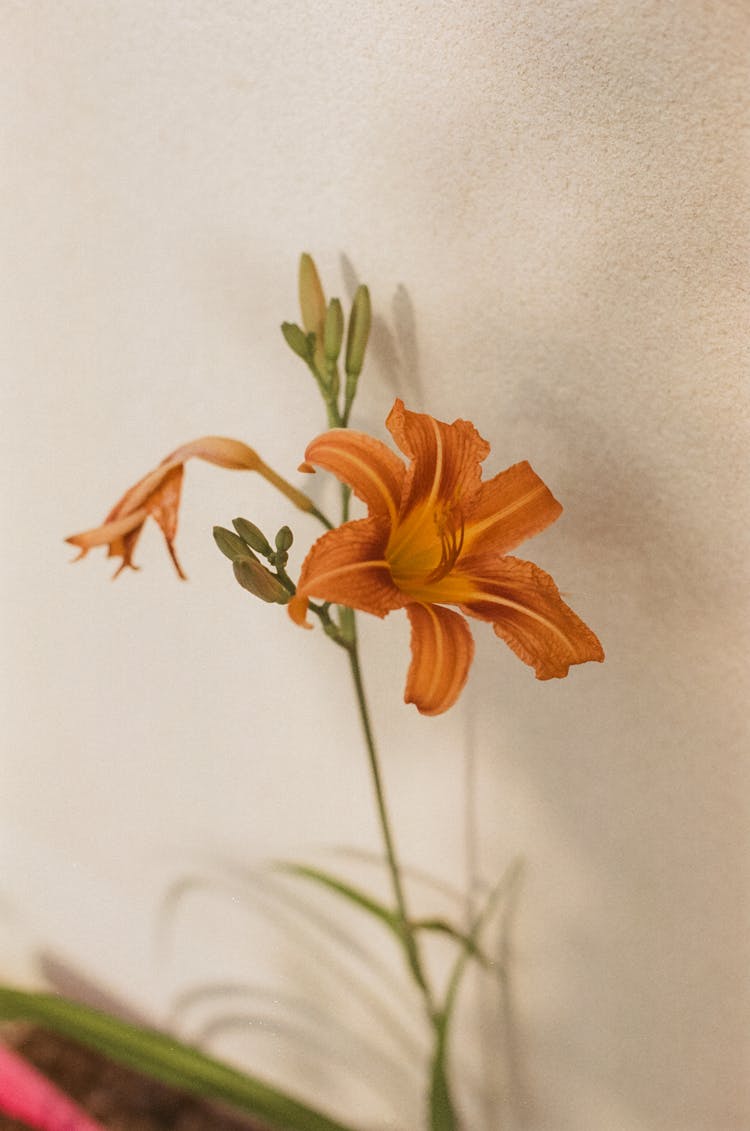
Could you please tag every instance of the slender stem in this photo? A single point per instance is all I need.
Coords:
(329, 393)
(346, 494)
(409, 939)
(302, 501)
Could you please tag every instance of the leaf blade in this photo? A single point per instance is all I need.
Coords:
(165, 1058)
(347, 890)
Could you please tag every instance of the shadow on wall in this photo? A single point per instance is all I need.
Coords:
(393, 353)
(635, 770)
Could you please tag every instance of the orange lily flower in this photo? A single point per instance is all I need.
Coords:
(158, 495)
(437, 535)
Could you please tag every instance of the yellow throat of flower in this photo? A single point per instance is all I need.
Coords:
(424, 548)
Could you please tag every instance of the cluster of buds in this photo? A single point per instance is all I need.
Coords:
(320, 342)
(243, 545)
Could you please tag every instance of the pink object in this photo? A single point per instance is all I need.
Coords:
(29, 1096)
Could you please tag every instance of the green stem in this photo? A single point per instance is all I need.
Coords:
(407, 931)
(329, 393)
(346, 494)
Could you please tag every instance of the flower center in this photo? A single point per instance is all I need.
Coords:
(425, 547)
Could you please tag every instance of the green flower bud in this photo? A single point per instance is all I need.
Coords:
(359, 331)
(333, 334)
(284, 539)
(312, 303)
(254, 537)
(298, 340)
(260, 582)
(231, 545)
(311, 298)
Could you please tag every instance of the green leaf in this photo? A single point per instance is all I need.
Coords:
(443, 927)
(166, 1059)
(442, 1114)
(355, 895)
(441, 1110)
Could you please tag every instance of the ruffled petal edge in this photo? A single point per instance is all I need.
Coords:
(509, 508)
(526, 611)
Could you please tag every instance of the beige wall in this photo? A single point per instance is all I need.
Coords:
(549, 201)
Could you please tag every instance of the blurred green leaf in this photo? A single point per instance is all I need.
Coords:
(355, 895)
(164, 1058)
(442, 1114)
(443, 927)
(441, 1111)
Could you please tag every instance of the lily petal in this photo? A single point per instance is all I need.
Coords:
(219, 450)
(108, 532)
(509, 508)
(297, 609)
(122, 527)
(164, 507)
(346, 566)
(446, 458)
(527, 612)
(371, 469)
(442, 650)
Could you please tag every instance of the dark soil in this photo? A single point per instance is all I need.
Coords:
(119, 1098)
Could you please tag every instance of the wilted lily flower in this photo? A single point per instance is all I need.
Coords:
(158, 495)
(436, 535)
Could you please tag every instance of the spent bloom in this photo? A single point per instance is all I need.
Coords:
(437, 535)
(158, 495)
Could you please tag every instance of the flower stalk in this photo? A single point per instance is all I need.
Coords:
(407, 931)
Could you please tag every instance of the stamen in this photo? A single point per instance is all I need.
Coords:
(450, 528)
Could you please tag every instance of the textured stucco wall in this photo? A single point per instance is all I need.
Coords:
(550, 203)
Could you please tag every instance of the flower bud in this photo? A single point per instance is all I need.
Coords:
(359, 331)
(333, 334)
(311, 298)
(297, 340)
(254, 537)
(284, 539)
(230, 544)
(259, 581)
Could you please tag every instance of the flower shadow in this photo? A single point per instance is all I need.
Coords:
(393, 346)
